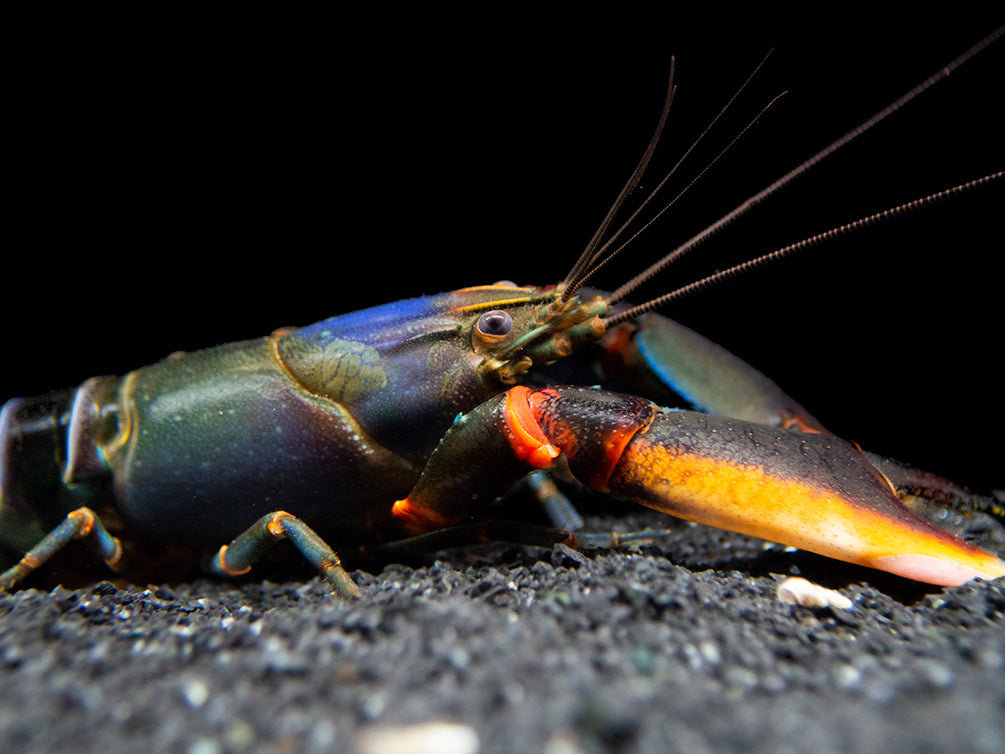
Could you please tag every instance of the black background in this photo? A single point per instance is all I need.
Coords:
(188, 182)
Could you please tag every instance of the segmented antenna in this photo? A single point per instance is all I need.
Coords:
(840, 230)
(590, 252)
(774, 187)
(583, 268)
(594, 268)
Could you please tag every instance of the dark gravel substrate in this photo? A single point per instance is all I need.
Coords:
(533, 650)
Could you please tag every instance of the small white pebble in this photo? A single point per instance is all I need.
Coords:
(434, 738)
(204, 745)
(195, 693)
(797, 591)
(848, 676)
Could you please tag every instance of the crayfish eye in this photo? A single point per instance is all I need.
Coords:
(495, 325)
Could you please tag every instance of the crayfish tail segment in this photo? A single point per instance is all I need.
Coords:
(810, 491)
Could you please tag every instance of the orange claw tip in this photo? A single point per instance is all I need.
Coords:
(933, 570)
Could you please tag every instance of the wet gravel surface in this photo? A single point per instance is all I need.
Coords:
(527, 649)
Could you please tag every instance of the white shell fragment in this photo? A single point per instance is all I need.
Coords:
(433, 737)
(797, 591)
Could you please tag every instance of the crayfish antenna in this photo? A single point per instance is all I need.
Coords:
(747, 205)
(773, 256)
(585, 266)
(575, 277)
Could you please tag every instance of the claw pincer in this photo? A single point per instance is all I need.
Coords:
(811, 491)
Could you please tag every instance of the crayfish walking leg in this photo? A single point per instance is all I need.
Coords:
(79, 524)
(810, 491)
(237, 557)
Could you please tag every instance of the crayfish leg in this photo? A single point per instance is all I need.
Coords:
(238, 557)
(487, 530)
(560, 510)
(78, 524)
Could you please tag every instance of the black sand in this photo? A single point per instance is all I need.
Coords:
(532, 650)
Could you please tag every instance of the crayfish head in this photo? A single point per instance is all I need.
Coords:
(512, 336)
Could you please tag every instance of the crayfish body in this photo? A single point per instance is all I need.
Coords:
(415, 416)
(313, 434)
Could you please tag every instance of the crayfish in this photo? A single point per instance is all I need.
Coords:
(416, 416)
